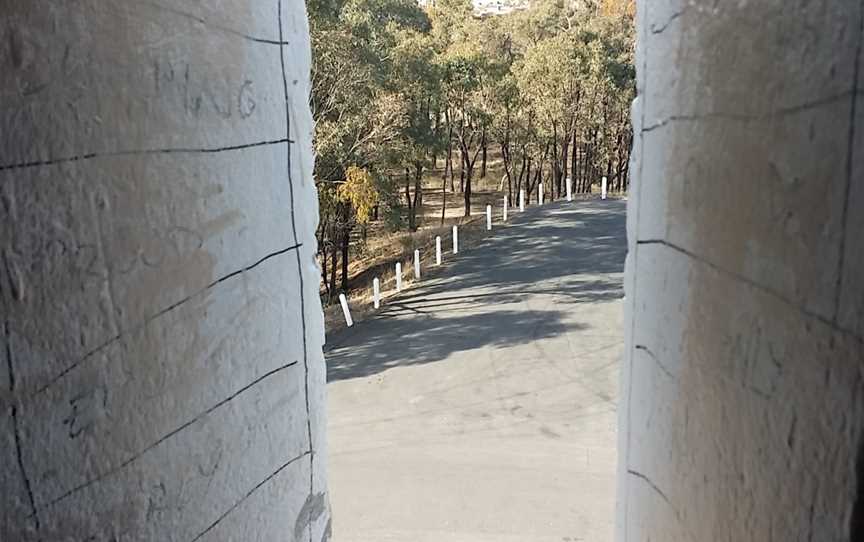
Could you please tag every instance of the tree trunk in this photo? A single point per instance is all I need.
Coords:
(413, 202)
(556, 171)
(408, 199)
(322, 251)
(565, 149)
(574, 164)
(538, 178)
(418, 193)
(483, 150)
(452, 177)
(609, 170)
(462, 159)
(346, 241)
(508, 168)
(447, 158)
(521, 173)
(587, 159)
(467, 193)
(448, 165)
(334, 254)
(583, 158)
(443, 200)
(619, 140)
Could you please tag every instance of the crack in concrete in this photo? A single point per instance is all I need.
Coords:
(660, 493)
(140, 152)
(167, 436)
(215, 26)
(299, 265)
(654, 357)
(672, 18)
(850, 155)
(756, 286)
(248, 494)
(653, 486)
(742, 117)
(159, 314)
(19, 455)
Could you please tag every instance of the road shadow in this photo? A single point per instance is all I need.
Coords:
(573, 252)
(380, 345)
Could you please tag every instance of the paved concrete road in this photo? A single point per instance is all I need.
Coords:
(480, 406)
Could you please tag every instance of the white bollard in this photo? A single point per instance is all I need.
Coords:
(417, 264)
(603, 189)
(505, 209)
(540, 194)
(398, 277)
(345, 310)
(521, 201)
(488, 217)
(455, 240)
(438, 250)
(569, 189)
(376, 293)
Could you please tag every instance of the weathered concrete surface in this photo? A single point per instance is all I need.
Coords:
(481, 406)
(161, 374)
(745, 281)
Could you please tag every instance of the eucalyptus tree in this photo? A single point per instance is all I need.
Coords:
(360, 117)
(415, 78)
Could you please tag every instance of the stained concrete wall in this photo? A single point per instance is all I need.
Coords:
(161, 375)
(742, 417)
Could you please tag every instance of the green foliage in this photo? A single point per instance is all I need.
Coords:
(395, 85)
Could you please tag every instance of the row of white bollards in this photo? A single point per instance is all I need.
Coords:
(376, 283)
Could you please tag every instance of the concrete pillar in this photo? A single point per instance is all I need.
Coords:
(160, 330)
(742, 383)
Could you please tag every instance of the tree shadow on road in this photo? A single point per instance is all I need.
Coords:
(570, 254)
(380, 345)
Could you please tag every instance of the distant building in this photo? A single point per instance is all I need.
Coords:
(490, 8)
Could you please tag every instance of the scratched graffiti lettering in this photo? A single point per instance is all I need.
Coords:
(756, 360)
(202, 95)
(84, 411)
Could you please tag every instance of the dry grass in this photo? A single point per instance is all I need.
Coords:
(377, 257)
